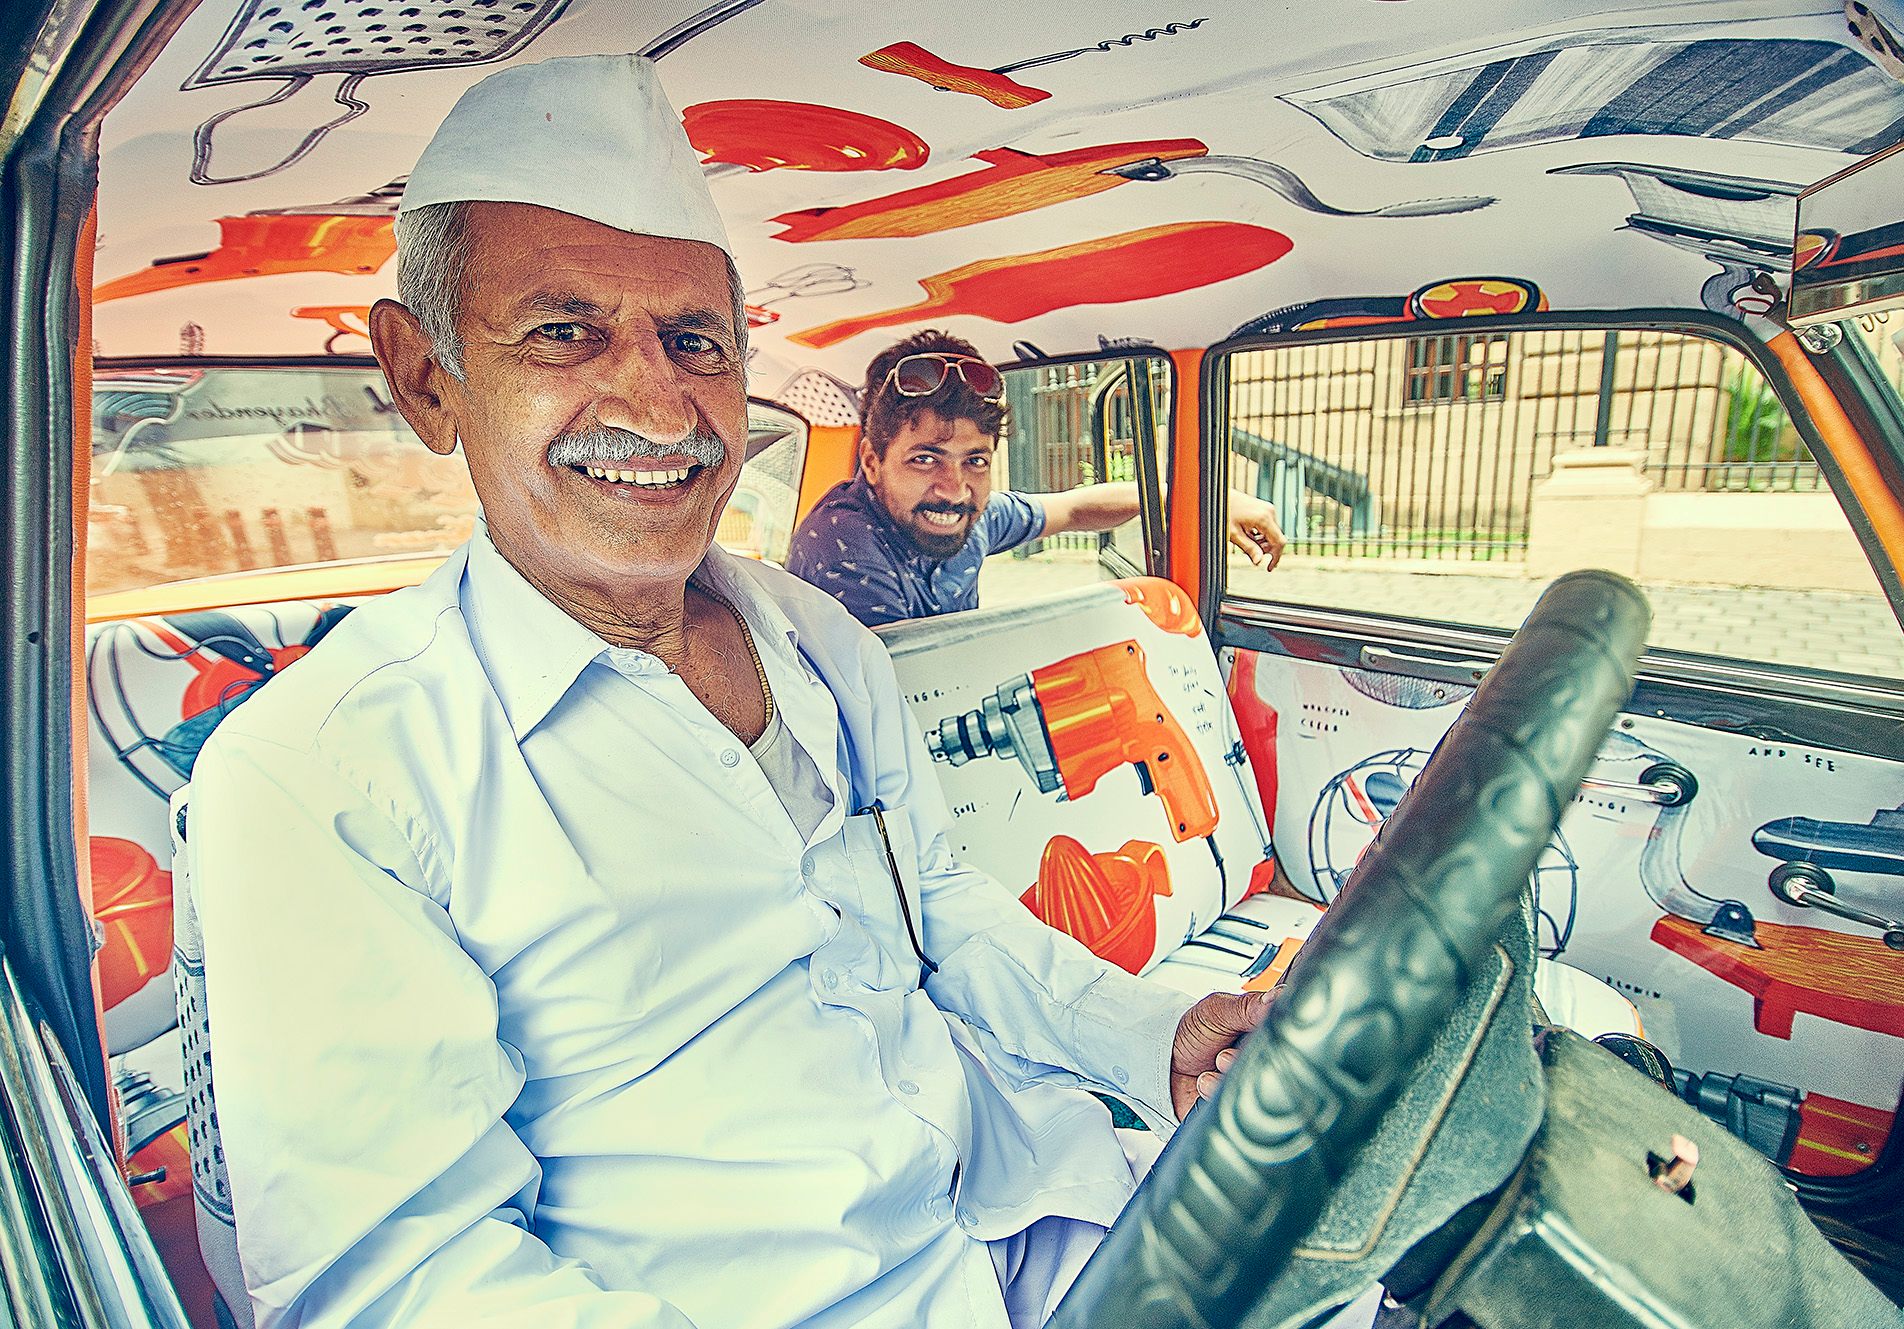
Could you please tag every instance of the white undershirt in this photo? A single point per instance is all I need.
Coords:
(795, 779)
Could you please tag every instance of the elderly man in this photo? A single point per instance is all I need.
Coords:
(582, 946)
(906, 536)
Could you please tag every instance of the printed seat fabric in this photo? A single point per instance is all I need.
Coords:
(1781, 1021)
(1138, 858)
(1086, 745)
(211, 1187)
(155, 689)
(1092, 764)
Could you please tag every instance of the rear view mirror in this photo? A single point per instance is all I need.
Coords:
(1848, 256)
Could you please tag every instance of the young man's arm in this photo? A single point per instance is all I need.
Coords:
(1253, 526)
(1089, 508)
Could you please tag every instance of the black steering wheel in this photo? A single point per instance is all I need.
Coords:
(1247, 1176)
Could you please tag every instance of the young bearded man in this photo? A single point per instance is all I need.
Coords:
(906, 536)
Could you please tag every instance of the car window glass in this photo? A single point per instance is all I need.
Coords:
(217, 470)
(1449, 477)
(1071, 425)
(759, 518)
(1883, 333)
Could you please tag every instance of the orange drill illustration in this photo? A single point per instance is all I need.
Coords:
(1072, 722)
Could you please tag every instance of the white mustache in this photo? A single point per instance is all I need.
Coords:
(606, 447)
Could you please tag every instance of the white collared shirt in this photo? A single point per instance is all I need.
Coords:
(530, 1004)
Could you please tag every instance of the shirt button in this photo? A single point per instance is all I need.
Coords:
(730, 758)
(908, 1087)
(1121, 1075)
(806, 866)
(830, 980)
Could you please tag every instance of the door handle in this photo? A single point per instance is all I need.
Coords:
(1468, 673)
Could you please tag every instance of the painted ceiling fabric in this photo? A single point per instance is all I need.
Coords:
(1058, 173)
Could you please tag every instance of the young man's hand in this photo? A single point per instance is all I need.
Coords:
(1206, 1044)
(1253, 529)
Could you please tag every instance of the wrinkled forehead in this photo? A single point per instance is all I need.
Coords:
(519, 258)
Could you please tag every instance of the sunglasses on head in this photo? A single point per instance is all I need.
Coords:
(924, 374)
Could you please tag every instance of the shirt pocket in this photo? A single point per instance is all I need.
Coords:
(885, 872)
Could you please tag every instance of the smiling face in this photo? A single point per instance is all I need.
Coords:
(934, 479)
(602, 410)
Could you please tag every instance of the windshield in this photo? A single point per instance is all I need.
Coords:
(223, 470)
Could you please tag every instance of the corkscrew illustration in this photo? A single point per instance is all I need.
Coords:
(996, 85)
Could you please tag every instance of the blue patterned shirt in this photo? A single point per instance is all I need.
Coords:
(850, 547)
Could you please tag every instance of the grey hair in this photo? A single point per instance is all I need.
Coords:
(432, 252)
(432, 257)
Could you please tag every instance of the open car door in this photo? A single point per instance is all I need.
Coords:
(1734, 861)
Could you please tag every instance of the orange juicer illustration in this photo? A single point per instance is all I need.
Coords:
(1103, 900)
(1071, 723)
(132, 906)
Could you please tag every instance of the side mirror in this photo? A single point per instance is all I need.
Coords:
(1848, 254)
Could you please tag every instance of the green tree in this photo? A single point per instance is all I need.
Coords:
(1757, 428)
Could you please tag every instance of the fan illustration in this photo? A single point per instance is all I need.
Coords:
(132, 900)
(230, 663)
(1353, 806)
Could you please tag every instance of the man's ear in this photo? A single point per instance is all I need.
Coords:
(868, 459)
(415, 376)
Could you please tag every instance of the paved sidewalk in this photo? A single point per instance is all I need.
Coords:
(1839, 630)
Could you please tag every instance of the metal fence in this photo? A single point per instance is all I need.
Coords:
(1429, 447)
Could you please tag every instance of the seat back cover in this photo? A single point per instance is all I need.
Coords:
(1091, 762)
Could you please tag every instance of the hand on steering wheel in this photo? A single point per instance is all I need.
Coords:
(1205, 1045)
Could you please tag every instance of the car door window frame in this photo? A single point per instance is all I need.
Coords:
(1151, 463)
(1149, 487)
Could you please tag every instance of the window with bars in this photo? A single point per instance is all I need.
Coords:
(1395, 502)
(1455, 368)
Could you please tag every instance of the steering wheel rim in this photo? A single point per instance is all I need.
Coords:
(1247, 1176)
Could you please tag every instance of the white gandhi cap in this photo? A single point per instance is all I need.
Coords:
(589, 135)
